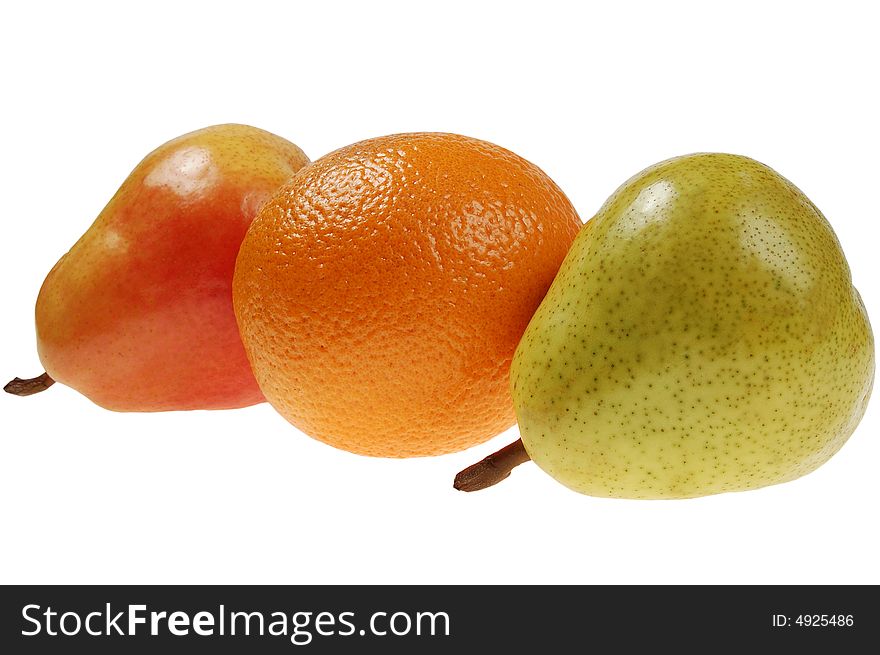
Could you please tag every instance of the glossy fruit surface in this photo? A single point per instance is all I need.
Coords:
(382, 293)
(138, 314)
(703, 336)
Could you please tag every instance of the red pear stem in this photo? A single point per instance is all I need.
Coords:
(492, 470)
(22, 387)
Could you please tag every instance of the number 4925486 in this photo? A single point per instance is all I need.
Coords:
(822, 620)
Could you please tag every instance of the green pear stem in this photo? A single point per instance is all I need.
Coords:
(30, 386)
(493, 469)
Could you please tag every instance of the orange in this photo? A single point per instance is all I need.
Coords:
(381, 293)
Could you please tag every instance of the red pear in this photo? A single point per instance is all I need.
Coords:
(138, 315)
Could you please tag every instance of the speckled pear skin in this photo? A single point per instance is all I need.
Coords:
(702, 336)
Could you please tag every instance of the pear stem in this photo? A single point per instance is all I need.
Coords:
(492, 470)
(30, 386)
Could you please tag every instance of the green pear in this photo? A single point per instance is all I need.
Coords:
(702, 336)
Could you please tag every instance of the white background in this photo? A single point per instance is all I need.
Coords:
(592, 95)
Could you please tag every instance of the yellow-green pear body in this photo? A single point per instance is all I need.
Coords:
(702, 336)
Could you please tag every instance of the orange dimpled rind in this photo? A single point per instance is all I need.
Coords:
(381, 293)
